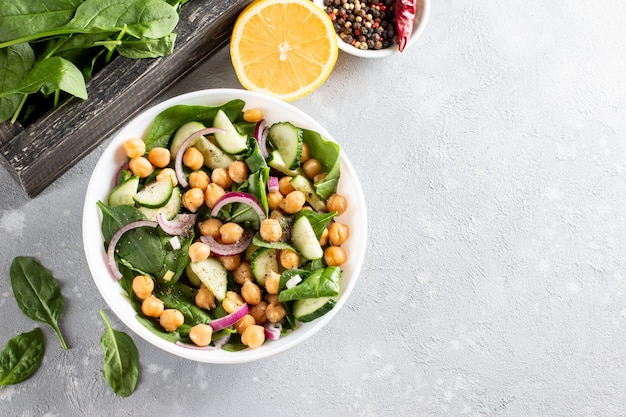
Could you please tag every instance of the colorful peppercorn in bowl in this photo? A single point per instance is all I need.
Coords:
(375, 29)
(149, 307)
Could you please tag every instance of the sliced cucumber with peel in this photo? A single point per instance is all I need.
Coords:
(214, 157)
(155, 194)
(287, 139)
(123, 194)
(169, 210)
(276, 161)
(262, 262)
(304, 239)
(231, 141)
(309, 309)
(183, 133)
(301, 183)
(211, 273)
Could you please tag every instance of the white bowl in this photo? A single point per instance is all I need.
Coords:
(100, 185)
(421, 18)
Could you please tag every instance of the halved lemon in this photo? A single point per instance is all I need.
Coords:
(283, 48)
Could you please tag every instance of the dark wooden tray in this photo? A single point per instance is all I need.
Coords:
(42, 151)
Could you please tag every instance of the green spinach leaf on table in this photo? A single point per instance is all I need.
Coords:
(24, 18)
(121, 360)
(37, 293)
(147, 47)
(21, 357)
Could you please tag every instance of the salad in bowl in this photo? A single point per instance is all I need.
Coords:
(224, 226)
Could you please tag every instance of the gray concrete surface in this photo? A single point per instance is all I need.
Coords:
(492, 156)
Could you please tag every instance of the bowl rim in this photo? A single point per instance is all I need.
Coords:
(418, 29)
(113, 293)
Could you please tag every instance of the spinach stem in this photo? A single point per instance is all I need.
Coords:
(40, 35)
(19, 108)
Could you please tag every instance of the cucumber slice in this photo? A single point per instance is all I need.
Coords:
(214, 157)
(231, 142)
(304, 239)
(123, 194)
(263, 262)
(156, 194)
(169, 210)
(310, 309)
(183, 133)
(301, 183)
(287, 139)
(276, 161)
(211, 273)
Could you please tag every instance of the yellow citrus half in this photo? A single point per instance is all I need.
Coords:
(283, 48)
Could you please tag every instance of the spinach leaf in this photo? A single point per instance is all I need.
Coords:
(328, 154)
(21, 357)
(169, 120)
(15, 62)
(318, 221)
(255, 159)
(148, 47)
(113, 218)
(177, 335)
(257, 186)
(175, 260)
(24, 18)
(319, 283)
(121, 360)
(37, 292)
(257, 240)
(141, 250)
(175, 296)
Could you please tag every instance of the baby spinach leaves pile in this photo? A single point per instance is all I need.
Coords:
(54, 46)
(38, 295)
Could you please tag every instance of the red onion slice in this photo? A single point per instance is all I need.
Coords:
(221, 249)
(272, 330)
(229, 320)
(260, 134)
(179, 225)
(239, 197)
(272, 184)
(116, 237)
(178, 162)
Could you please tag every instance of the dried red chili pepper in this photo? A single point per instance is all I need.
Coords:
(405, 11)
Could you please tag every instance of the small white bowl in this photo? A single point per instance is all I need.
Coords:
(421, 18)
(100, 185)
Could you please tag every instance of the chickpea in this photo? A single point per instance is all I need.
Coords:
(243, 323)
(319, 177)
(338, 233)
(272, 279)
(232, 302)
(167, 173)
(143, 286)
(140, 166)
(213, 193)
(273, 199)
(134, 148)
(243, 273)
(210, 227)
(193, 158)
(193, 199)
(205, 298)
(199, 251)
(159, 157)
(253, 336)
(220, 177)
(231, 232)
(275, 312)
(171, 319)
(238, 171)
(337, 202)
(231, 262)
(201, 334)
(251, 293)
(253, 115)
(324, 238)
(284, 185)
(289, 259)
(199, 179)
(312, 167)
(293, 202)
(258, 312)
(306, 153)
(271, 298)
(152, 307)
(334, 255)
(271, 230)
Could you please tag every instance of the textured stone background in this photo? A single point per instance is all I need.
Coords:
(492, 156)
